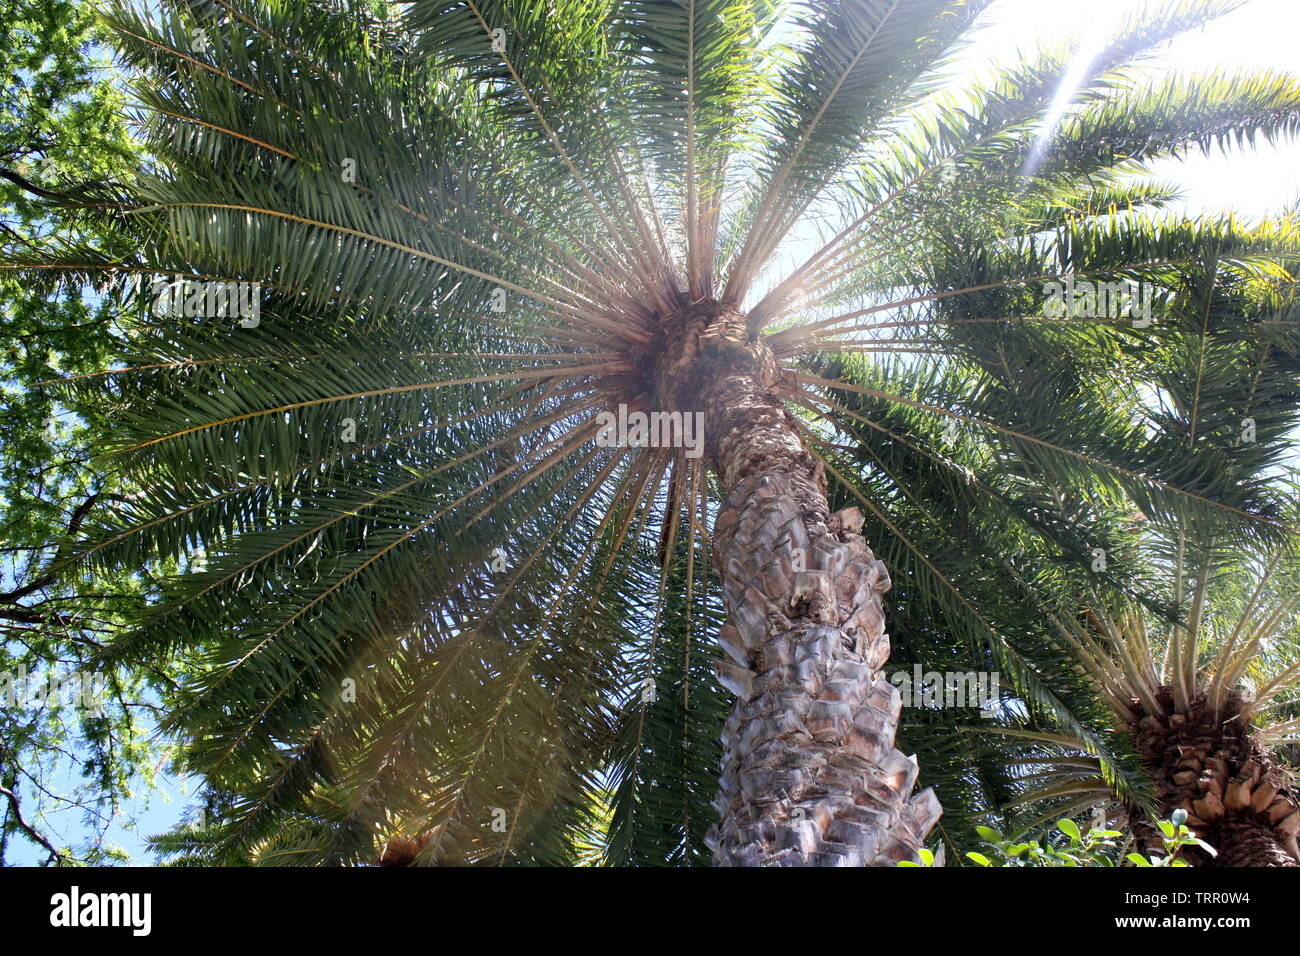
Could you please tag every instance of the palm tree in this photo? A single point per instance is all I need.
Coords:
(440, 606)
(1200, 705)
(1198, 670)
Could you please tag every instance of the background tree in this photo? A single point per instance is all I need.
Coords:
(62, 140)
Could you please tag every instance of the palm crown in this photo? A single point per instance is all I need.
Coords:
(430, 610)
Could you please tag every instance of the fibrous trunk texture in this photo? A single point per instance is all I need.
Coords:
(811, 776)
(1208, 763)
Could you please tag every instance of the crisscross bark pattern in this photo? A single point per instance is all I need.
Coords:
(1208, 763)
(811, 776)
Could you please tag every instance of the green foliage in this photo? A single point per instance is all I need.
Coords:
(411, 597)
(63, 138)
(1068, 845)
(1174, 835)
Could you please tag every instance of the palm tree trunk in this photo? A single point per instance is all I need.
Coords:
(1210, 764)
(1250, 841)
(810, 775)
